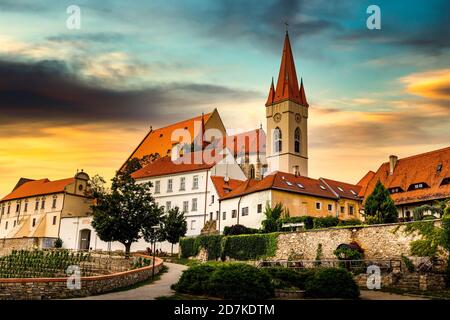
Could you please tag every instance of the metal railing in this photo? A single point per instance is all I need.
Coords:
(386, 265)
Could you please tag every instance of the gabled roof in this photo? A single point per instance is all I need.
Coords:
(250, 142)
(421, 168)
(160, 140)
(364, 182)
(193, 161)
(38, 188)
(224, 187)
(343, 189)
(286, 182)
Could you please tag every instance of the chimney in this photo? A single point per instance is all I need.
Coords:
(392, 163)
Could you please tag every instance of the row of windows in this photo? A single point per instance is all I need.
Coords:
(182, 184)
(7, 208)
(185, 207)
(33, 222)
(351, 208)
(278, 140)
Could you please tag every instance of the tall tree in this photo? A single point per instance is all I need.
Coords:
(123, 213)
(175, 226)
(379, 206)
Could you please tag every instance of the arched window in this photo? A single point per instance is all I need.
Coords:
(277, 140)
(297, 136)
(252, 171)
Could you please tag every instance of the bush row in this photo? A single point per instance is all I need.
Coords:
(321, 222)
(242, 281)
(241, 247)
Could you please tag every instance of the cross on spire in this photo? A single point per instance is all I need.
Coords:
(287, 25)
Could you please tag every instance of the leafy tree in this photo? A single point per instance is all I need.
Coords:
(273, 218)
(379, 206)
(175, 226)
(123, 213)
(439, 207)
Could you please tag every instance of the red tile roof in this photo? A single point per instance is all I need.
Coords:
(38, 188)
(421, 168)
(286, 182)
(186, 163)
(250, 142)
(343, 189)
(224, 187)
(160, 140)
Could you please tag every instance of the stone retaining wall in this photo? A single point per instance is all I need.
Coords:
(407, 281)
(56, 288)
(378, 241)
(8, 245)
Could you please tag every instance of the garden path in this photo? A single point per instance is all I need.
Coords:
(150, 291)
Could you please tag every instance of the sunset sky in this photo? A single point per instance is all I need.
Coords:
(84, 99)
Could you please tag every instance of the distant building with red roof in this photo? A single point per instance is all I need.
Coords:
(412, 181)
(35, 208)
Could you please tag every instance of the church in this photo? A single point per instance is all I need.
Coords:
(260, 169)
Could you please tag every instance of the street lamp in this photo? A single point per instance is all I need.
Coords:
(155, 229)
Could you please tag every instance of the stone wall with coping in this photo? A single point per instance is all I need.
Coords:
(8, 245)
(56, 288)
(407, 281)
(385, 241)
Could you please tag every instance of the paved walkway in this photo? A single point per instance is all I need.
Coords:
(150, 291)
(379, 295)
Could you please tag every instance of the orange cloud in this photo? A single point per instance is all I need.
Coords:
(431, 84)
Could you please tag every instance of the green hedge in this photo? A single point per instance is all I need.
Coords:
(249, 247)
(188, 247)
(325, 222)
(331, 283)
(236, 281)
(212, 244)
(241, 247)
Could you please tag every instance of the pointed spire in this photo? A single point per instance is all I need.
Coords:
(302, 94)
(287, 84)
(271, 96)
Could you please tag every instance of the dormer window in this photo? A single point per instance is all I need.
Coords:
(322, 187)
(445, 181)
(300, 186)
(353, 192)
(395, 190)
(439, 168)
(340, 189)
(288, 183)
(417, 186)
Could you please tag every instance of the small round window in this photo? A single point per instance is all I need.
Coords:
(80, 187)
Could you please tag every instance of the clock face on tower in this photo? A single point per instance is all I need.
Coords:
(277, 117)
(298, 117)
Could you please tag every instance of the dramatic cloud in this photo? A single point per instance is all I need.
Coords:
(431, 84)
(49, 91)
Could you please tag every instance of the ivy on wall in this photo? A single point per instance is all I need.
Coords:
(241, 247)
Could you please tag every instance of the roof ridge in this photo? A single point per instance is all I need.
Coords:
(421, 154)
(181, 121)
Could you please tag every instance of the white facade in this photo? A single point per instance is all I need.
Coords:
(247, 210)
(193, 192)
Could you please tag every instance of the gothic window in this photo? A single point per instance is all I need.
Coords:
(297, 140)
(252, 171)
(277, 138)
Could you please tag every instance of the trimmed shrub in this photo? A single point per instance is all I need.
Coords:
(351, 222)
(195, 279)
(307, 220)
(331, 283)
(325, 222)
(188, 247)
(240, 281)
(249, 247)
(283, 278)
(212, 244)
(238, 229)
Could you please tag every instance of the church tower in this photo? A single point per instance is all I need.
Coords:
(287, 120)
